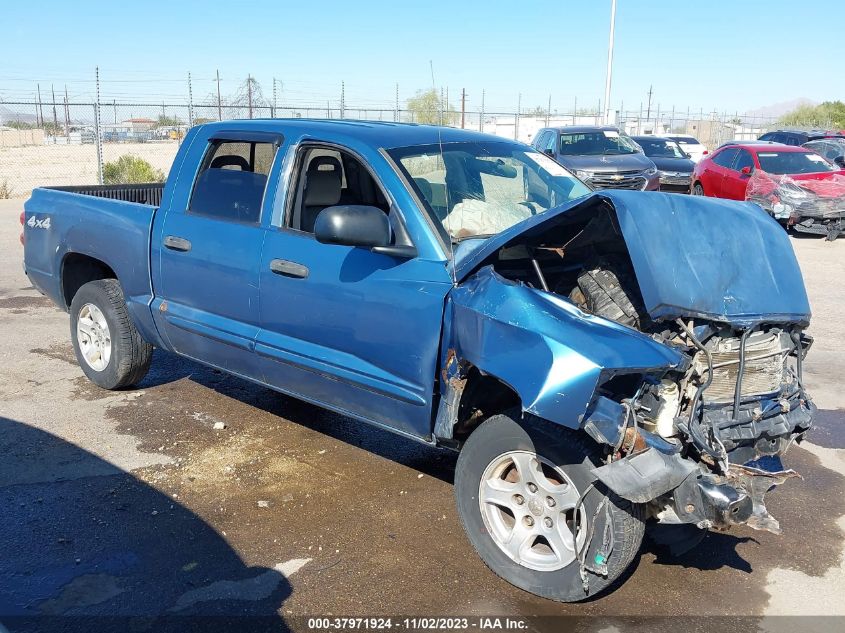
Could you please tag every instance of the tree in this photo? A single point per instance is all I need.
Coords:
(829, 113)
(167, 121)
(426, 107)
(539, 112)
(130, 169)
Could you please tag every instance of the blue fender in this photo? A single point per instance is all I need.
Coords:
(542, 346)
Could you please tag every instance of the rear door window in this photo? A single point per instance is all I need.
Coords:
(726, 157)
(743, 159)
(232, 180)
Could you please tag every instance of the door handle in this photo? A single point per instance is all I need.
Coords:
(289, 269)
(177, 244)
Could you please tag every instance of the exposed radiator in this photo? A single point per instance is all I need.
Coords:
(765, 357)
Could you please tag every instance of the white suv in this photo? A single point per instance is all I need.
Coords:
(690, 145)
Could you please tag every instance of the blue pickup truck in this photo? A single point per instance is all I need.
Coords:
(598, 359)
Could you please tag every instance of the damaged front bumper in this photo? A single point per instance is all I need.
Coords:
(683, 490)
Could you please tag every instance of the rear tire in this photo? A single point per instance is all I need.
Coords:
(108, 347)
(558, 454)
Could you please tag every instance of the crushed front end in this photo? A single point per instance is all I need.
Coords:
(703, 444)
(699, 437)
(807, 205)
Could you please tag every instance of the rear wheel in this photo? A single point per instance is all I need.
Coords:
(108, 348)
(697, 189)
(517, 488)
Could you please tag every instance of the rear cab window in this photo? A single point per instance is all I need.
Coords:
(232, 180)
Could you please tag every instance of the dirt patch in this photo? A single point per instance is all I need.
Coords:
(25, 303)
(58, 351)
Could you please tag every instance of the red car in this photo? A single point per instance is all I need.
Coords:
(795, 185)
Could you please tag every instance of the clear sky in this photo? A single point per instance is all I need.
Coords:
(718, 54)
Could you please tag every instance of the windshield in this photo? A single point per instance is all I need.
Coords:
(596, 143)
(793, 163)
(480, 189)
(661, 148)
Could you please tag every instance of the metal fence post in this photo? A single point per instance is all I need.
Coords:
(97, 131)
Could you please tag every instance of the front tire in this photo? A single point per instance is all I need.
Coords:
(697, 189)
(108, 348)
(517, 487)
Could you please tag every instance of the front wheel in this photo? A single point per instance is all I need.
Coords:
(697, 189)
(108, 348)
(517, 489)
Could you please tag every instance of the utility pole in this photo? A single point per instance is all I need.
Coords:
(549, 111)
(219, 107)
(55, 117)
(396, 107)
(609, 62)
(249, 93)
(648, 110)
(481, 118)
(114, 106)
(342, 99)
(40, 114)
(67, 114)
(516, 119)
(273, 113)
(463, 106)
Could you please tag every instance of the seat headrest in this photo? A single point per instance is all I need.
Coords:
(322, 188)
(232, 159)
(425, 189)
(320, 161)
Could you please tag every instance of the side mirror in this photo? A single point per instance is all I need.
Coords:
(549, 152)
(688, 155)
(358, 225)
(745, 171)
(840, 161)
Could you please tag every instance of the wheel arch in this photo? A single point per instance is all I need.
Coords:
(78, 269)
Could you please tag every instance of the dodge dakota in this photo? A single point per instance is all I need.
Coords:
(598, 359)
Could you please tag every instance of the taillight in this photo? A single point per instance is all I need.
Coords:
(23, 220)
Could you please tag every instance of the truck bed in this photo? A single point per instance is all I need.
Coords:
(144, 193)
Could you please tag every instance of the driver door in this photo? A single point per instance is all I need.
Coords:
(347, 328)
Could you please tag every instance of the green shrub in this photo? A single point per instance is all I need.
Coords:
(5, 190)
(130, 169)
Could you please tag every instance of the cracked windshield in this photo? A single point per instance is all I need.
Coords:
(480, 189)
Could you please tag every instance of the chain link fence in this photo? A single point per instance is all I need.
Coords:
(45, 143)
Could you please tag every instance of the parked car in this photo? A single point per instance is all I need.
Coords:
(797, 137)
(601, 156)
(674, 166)
(690, 145)
(748, 142)
(795, 185)
(468, 292)
(833, 149)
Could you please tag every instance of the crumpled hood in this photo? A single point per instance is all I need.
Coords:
(693, 256)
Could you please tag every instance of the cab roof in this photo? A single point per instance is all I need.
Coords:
(378, 134)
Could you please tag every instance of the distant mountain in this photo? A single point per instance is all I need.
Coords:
(7, 114)
(779, 109)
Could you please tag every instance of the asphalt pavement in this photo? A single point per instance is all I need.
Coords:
(134, 504)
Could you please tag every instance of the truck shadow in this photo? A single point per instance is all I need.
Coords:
(86, 546)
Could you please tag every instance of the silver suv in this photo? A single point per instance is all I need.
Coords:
(601, 156)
